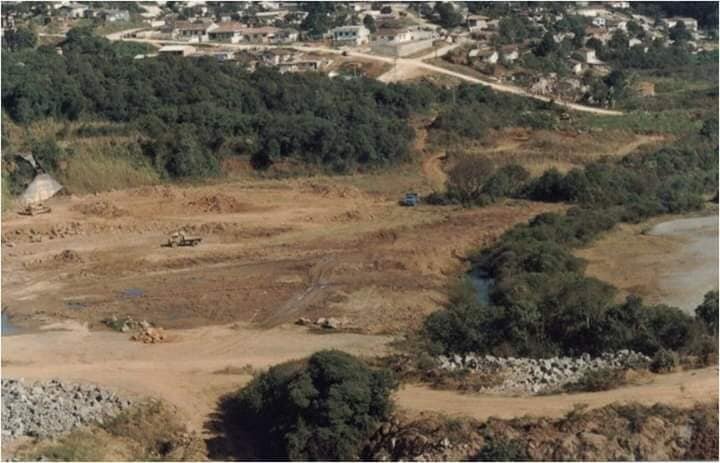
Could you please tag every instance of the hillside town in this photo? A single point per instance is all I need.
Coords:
(561, 51)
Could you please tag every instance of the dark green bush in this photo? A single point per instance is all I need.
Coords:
(598, 380)
(322, 409)
(664, 361)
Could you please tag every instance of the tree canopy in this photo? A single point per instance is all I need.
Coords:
(322, 409)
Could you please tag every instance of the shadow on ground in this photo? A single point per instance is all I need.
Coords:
(231, 438)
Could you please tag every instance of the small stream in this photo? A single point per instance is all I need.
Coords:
(482, 283)
(7, 327)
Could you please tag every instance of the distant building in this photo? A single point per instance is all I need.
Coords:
(599, 21)
(227, 32)
(691, 24)
(589, 56)
(72, 10)
(509, 53)
(477, 23)
(260, 34)
(350, 35)
(177, 50)
(485, 55)
(620, 5)
(193, 31)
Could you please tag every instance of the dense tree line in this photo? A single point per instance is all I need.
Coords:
(196, 109)
(542, 303)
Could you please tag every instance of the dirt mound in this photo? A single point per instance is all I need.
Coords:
(101, 208)
(68, 256)
(164, 192)
(335, 191)
(218, 203)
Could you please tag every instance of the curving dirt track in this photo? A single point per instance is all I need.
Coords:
(680, 389)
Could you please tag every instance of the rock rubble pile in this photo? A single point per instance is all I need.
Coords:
(49, 408)
(528, 375)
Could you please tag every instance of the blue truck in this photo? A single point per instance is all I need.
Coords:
(410, 200)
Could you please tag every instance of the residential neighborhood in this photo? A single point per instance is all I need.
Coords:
(534, 47)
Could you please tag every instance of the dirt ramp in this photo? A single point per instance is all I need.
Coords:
(218, 203)
(102, 208)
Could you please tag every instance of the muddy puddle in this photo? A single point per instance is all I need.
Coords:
(691, 269)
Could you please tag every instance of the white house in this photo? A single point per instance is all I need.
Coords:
(350, 35)
(691, 24)
(476, 23)
(72, 10)
(177, 50)
(193, 31)
(509, 53)
(589, 56)
(620, 5)
(486, 55)
(227, 32)
(599, 21)
(634, 42)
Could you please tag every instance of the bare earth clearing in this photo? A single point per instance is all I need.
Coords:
(670, 262)
(272, 251)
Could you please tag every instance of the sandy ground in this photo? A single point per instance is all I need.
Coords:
(674, 262)
(679, 389)
(191, 371)
(272, 251)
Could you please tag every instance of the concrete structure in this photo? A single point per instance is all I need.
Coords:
(599, 21)
(72, 10)
(485, 55)
(509, 53)
(477, 23)
(589, 56)
(193, 31)
(402, 42)
(259, 34)
(177, 50)
(350, 35)
(227, 32)
(691, 24)
(41, 188)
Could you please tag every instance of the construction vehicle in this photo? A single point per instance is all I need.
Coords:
(181, 239)
(35, 209)
(410, 200)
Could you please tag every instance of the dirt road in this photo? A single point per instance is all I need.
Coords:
(679, 389)
(192, 371)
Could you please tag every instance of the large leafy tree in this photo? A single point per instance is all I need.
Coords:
(322, 409)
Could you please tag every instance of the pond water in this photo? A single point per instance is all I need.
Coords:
(7, 327)
(692, 269)
(482, 283)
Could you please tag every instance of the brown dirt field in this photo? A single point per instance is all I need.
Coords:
(272, 251)
(539, 150)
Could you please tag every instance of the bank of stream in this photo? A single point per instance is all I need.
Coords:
(673, 262)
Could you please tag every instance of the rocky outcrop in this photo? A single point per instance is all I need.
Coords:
(533, 376)
(614, 432)
(54, 407)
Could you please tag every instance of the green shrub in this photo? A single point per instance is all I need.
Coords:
(502, 449)
(664, 361)
(707, 312)
(322, 409)
(598, 380)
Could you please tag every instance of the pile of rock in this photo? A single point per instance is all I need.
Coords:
(53, 407)
(322, 322)
(527, 375)
(150, 335)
